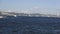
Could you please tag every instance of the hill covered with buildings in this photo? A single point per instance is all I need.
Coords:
(4, 14)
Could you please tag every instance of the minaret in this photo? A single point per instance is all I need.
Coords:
(57, 14)
(0, 13)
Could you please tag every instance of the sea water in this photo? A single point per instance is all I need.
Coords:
(29, 25)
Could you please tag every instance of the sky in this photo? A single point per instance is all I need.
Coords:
(31, 6)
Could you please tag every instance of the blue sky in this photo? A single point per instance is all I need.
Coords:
(31, 6)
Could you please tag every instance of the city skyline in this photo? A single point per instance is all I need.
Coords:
(31, 6)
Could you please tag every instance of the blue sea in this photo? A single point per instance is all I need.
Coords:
(29, 25)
